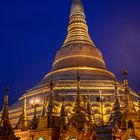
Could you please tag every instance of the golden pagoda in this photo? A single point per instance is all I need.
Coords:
(77, 51)
(91, 97)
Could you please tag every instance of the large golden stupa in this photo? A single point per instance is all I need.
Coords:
(77, 54)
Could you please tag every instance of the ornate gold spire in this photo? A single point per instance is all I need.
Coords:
(50, 110)
(5, 113)
(25, 113)
(63, 114)
(77, 6)
(6, 130)
(77, 30)
(23, 120)
(128, 103)
(51, 100)
(79, 100)
(78, 49)
(116, 112)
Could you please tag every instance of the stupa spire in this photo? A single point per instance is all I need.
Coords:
(79, 100)
(77, 6)
(77, 29)
(23, 120)
(5, 113)
(128, 103)
(51, 100)
(6, 130)
(63, 114)
(78, 48)
(116, 112)
(25, 112)
(51, 111)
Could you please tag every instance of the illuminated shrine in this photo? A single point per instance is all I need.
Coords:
(79, 99)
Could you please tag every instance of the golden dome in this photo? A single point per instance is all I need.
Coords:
(78, 50)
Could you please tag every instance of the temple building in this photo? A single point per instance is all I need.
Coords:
(79, 99)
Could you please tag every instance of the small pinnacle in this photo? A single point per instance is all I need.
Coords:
(125, 73)
(77, 6)
(7, 90)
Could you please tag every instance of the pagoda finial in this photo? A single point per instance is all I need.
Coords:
(77, 29)
(25, 109)
(6, 128)
(125, 75)
(63, 113)
(51, 100)
(116, 112)
(128, 103)
(25, 125)
(51, 111)
(23, 120)
(79, 99)
(77, 6)
(5, 113)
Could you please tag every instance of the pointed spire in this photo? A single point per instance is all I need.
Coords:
(25, 112)
(78, 29)
(77, 6)
(5, 113)
(6, 130)
(63, 114)
(43, 122)
(128, 103)
(51, 111)
(23, 120)
(125, 75)
(79, 100)
(51, 100)
(116, 112)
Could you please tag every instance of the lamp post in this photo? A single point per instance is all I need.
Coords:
(35, 103)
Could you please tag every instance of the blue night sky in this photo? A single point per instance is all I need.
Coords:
(31, 32)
